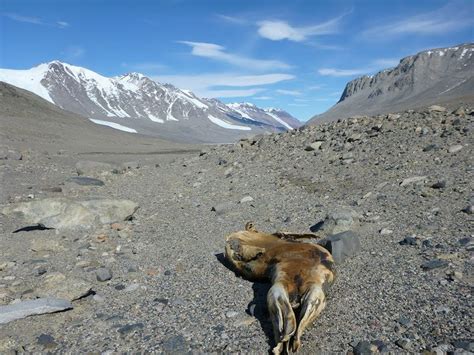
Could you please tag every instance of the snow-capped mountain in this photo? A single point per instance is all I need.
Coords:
(270, 116)
(140, 104)
(431, 76)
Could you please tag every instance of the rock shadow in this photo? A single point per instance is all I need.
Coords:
(257, 307)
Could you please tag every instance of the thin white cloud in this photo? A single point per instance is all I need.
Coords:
(73, 52)
(289, 92)
(223, 84)
(342, 72)
(34, 20)
(232, 19)
(298, 105)
(376, 65)
(454, 16)
(62, 24)
(263, 98)
(230, 93)
(145, 67)
(386, 63)
(217, 52)
(277, 30)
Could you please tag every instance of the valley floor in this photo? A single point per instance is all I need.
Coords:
(169, 290)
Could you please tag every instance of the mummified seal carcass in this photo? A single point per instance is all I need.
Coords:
(299, 272)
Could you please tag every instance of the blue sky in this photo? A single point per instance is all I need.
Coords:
(297, 55)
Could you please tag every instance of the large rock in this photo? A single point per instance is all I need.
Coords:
(337, 221)
(62, 213)
(32, 307)
(58, 285)
(341, 245)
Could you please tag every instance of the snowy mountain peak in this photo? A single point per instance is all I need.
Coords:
(147, 105)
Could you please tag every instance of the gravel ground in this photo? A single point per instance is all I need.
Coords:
(169, 290)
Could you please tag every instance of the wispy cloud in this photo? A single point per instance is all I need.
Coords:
(263, 98)
(145, 67)
(454, 16)
(232, 19)
(277, 30)
(73, 52)
(297, 104)
(289, 92)
(34, 20)
(217, 52)
(376, 65)
(342, 72)
(62, 24)
(223, 84)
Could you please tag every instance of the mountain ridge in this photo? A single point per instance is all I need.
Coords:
(418, 80)
(142, 104)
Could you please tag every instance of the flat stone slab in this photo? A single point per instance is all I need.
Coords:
(85, 181)
(32, 307)
(65, 213)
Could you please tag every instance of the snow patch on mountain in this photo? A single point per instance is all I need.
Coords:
(114, 125)
(227, 125)
(278, 119)
(29, 79)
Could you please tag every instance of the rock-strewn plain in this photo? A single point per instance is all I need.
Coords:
(157, 282)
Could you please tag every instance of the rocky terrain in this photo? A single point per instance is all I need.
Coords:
(439, 75)
(143, 105)
(133, 249)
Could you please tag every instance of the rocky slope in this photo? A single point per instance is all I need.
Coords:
(139, 103)
(436, 75)
(402, 182)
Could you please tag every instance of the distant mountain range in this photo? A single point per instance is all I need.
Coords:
(431, 76)
(135, 103)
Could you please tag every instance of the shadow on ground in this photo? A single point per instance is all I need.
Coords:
(258, 306)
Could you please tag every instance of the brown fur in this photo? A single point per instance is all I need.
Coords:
(299, 273)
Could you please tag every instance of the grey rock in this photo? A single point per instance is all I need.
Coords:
(404, 343)
(465, 344)
(246, 199)
(58, 285)
(47, 341)
(231, 314)
(46, 244)
(174, 344)
(129, 328)
(10, 154)
(314, 146)
(455, 148)
(412, 180)
(439, 184)
(32, 307)
(337, 221)
(434, 264)
(103, 274)
(385, 231)
(64, 213)
(436, 108)
(85, 181)
(342, 245)
(431, 147)
(468, 209)
(408, 241)
(223, 208)
(460, 111)
(365, 347)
